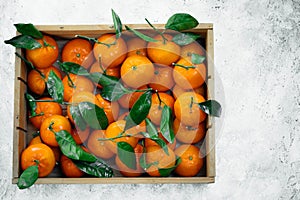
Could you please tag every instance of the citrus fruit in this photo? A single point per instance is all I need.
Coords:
(157, 106)
(186, 109)
(158, 159)
(125, 170)
(37, 83)
(112, 53)
(191, 160)
(40, 155)
(97, 146)
(46, 55)
(137, 71)
(189, 75)
(57, 123)
(45, 110)
(35, 140)
(68, 168)
(111, 109)
(78, 97)
(78, 51)
(136, 46)
(116, 129)
(188, 134)
(77, 84)
(163, 51)
(128, 100)
(162, 79)
(193, 48)
(80, 136)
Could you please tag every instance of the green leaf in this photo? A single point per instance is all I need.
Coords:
(141, 35)
(103, 79)
(79, 121)
(55, 87)
(185, 38)
(197, 59)
(70, 149)
(29, 29)
(117, 24)
(166, 124)
(74, 68)
(32, 104)
(211, 107)
(114, 92)
(139, 110)
(181, 21)
(126, 154)
(28, 177)
(24, 42)
(167, 171)
(98, 168)
(151, 129)
(93, 115)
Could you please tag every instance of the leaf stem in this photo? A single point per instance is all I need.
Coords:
(120, 135)
(40, 100)
(95, 40)
(183, 66)
(159, 32)
(160, 101)
(41, 114)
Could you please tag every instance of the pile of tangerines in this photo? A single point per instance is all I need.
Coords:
(159, 68)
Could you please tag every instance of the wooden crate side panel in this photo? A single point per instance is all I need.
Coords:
(20, 124)
(124, 180)
(210, 135)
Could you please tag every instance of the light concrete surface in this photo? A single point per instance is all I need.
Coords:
(257, 49)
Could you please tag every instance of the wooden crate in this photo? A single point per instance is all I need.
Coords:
(21, 127)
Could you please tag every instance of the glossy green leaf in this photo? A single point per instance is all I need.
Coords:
(31, 103)
(139, 110)
(167, 171)
(103, 79)
(151, 129)
(141, 35)
(166, 128)
(55, 87)
(29, 29)
(74, 68)
(181, 21)
(211, 107)
(185, 38)
(197, 59)
(126, 154)
(117, 24)
(28, 177)
(114, 92)
(79, 121)
(93, 115)
(98, 168)
(24, 42)
(70, 149)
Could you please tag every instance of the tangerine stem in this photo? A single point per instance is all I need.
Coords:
(160, 101)
(95, 40)
(120, 135)
(70, 82)
(100, 65)
(46, 44)
(191, 104)
(183, 66)
(159, 32)
(36, 162)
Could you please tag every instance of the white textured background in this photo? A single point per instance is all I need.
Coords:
(257, 49)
